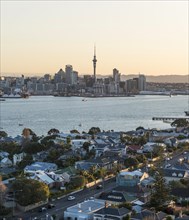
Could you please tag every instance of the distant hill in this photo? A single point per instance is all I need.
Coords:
(160, 78)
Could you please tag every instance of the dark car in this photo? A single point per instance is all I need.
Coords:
(51, 205)
(42, 209)
(99, 187)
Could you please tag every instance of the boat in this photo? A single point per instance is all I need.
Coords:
(84, 100)
(20, 124)
(80, 125)
(2, 100)
(187, 113)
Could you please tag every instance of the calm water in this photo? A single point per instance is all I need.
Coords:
(41, 113)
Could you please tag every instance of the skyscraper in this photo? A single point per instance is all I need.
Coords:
(142, 82)
(94, 64)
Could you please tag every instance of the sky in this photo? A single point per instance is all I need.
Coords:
(39, 37)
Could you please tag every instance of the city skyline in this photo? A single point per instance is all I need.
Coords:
(42, 37)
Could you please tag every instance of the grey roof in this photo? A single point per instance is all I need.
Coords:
(144, 214)
(41, 166)
(173, 173)
(113, 211)
(180, 192)
(113, 196)
(185, 217)
(131, 189)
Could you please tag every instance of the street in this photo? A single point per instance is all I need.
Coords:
(63, 203)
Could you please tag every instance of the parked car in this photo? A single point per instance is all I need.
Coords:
(42, 209)
(71, 198)
(51, 205)
(99, 187)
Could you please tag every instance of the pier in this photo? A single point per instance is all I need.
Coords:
(168, 118)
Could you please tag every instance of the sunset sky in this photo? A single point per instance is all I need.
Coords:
(39, 37)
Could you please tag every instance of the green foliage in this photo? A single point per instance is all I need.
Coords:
(29, 191)
(4, 211)
(176, 184)
(181, 122)
(131, 162)
(141, 158)
(74, 131)
(169, 217)
(125, 205)
(12, 148)
(158, 151)
(33, 147)
(86, 146)
(127, 217)
(48, 139)
(94, 130)
(77, 182)
(3, 134)
(27, 160)
(160, 192)
(53, 131)
(140, 128)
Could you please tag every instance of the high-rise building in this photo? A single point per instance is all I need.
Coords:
(116, 75)
(69, 72)
(142, 82)
(60, 76)
(94, 64)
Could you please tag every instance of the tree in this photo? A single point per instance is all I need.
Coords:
(3, 134)
(160, 192)
(29, 191)
(131, 162)
(74, 131)
(169, 217)
(94, 130)
(86, 146)
(78, 181)
(53, 131)
(33, 147)
(127, 217)
(181, 122)
(139, 128)
(27, 160)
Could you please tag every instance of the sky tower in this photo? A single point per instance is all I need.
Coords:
(94, 64)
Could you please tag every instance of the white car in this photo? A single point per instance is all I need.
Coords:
(71, 198)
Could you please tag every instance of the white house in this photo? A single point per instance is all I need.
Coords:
(18, 158)
(84, 210)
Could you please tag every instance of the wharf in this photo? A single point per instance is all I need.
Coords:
(169, 118)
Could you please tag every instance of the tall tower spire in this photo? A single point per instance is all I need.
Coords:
(94, 63)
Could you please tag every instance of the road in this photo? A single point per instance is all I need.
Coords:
(62, 204)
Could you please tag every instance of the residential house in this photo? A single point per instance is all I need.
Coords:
(40, 166)
(133, 178)
(174, 174)
(17, 158)
(3, 154)
(43, 177)
(84, 210)
(109, 213)
(116, 198)
(5, 162)
(138, 192)
(148, 214)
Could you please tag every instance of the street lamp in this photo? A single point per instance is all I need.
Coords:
(14, 200)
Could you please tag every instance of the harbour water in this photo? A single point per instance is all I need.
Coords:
(41, 113)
